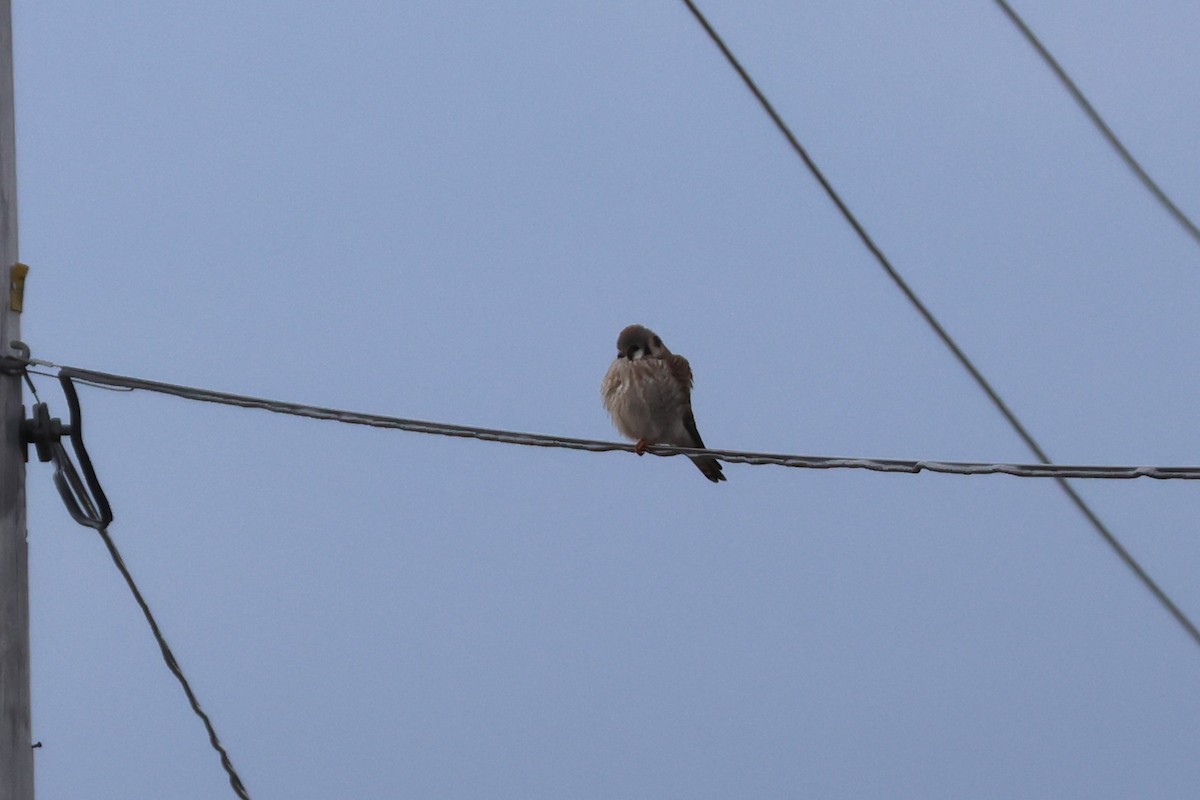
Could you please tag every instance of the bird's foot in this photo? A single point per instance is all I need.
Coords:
(640, 447)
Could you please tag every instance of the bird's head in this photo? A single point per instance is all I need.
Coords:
(637, 342)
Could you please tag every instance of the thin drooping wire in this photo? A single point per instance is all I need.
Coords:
(109, 380)
(1099, 122)
(1108, 536)
(88, 505)
(169, 657)
(32, 387)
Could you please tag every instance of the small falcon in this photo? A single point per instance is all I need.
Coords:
(648, 394)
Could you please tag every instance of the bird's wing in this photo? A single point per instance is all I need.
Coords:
(689, 424)
(681, 371)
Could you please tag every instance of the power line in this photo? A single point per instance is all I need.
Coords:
(1108, 536)
(1100, 124)
(109, 380)
(235, 780)
(87, 504)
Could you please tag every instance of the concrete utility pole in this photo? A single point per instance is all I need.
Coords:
(16, 744)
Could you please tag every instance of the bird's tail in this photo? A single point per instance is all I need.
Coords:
(710, 467)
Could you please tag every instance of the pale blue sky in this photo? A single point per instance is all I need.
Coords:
(448, 210)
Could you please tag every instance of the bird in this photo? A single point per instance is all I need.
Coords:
(648, 393)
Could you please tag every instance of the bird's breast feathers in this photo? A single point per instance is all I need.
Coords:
(645, 399)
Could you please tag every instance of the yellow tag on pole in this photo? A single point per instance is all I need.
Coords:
(16, 287)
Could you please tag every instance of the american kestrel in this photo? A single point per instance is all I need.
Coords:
(648, 394)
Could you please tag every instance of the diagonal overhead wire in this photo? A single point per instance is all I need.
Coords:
(235, 780)
(88, 505)
(1108, 536)
(1094, 115)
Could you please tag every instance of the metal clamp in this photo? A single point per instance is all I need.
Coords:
(81, 493)
(43, 432)
(15, 365)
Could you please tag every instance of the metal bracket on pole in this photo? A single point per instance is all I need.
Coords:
(15, 365)
(81, 493)
(43, 432)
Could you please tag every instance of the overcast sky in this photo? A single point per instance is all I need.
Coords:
(447, 211)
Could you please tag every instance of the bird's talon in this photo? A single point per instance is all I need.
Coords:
(640, 447)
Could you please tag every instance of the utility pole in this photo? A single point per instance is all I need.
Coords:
(16, 743)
